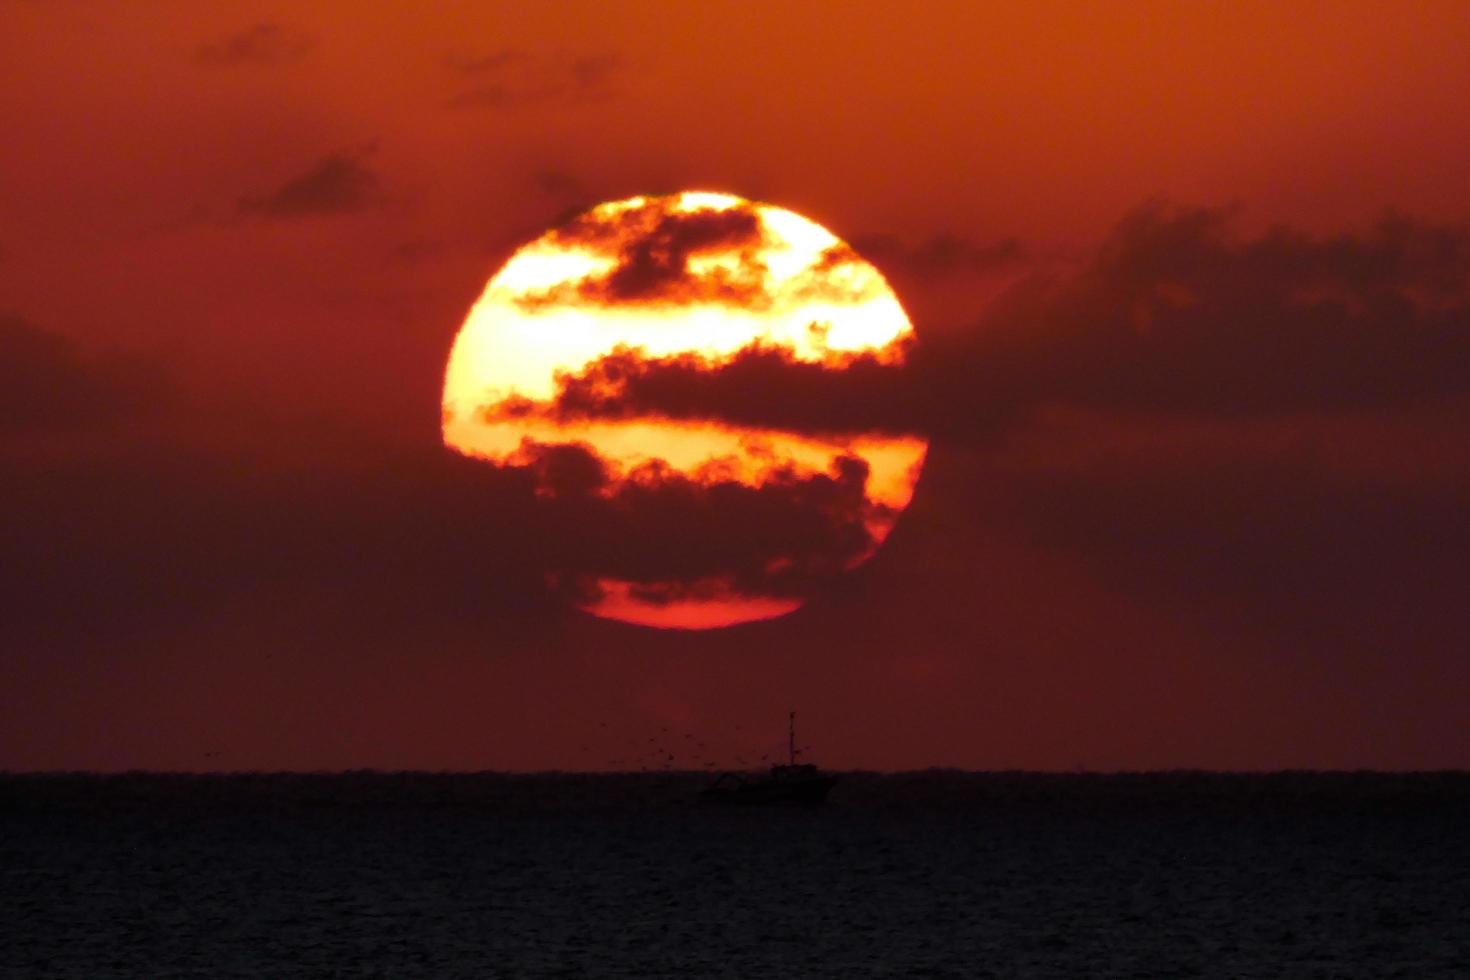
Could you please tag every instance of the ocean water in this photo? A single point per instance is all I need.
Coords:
(938, 874)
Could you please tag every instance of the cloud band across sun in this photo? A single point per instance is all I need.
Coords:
(715, 374)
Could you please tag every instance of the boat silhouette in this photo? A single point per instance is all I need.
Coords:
(795, 783)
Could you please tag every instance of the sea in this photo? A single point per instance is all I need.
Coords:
(925, 874)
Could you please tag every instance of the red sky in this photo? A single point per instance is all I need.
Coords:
(1192, 284)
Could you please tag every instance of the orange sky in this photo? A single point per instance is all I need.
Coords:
(1174, 514)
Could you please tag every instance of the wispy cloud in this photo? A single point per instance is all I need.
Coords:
(262, 44)
(510, 78)
(339, 183)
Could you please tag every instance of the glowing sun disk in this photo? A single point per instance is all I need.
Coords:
(697, 273)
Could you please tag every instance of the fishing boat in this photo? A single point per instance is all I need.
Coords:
(795, 783)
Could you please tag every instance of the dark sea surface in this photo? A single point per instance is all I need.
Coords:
(934, 874)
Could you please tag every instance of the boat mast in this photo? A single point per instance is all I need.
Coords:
(791, 738)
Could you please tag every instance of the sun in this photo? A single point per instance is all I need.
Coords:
(705, 384)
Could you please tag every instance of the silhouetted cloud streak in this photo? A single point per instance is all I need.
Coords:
(761, 386)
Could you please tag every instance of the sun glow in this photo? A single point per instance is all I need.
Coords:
(700, 274)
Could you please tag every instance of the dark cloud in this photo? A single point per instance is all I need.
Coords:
(656, 265)
(259, 44)
(558, 183)
(1179, 314)
(759, 386)
(416, 250)
(565, 470)
(593, 70)
(1269, 424)
(141, 537)
(340, 183)
(1176, 314)
(653, 245)
(47, 384)
(672, 532)
(151, 536)
(1330, 546)
(1178, 322)
(939, 256)
(510, 78)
